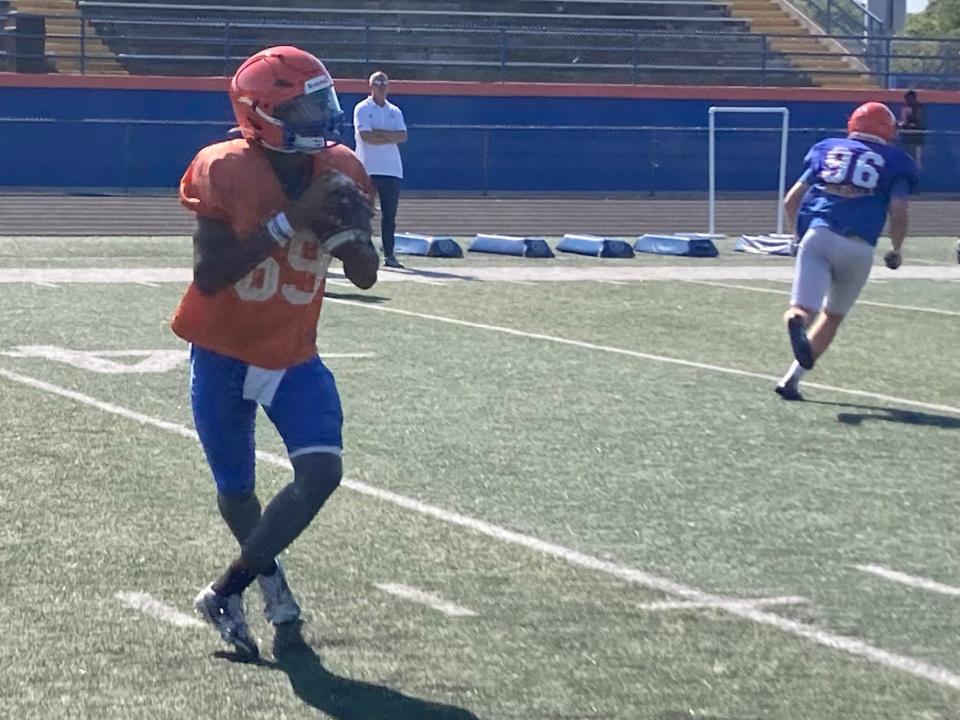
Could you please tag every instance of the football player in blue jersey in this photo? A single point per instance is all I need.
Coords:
(840, 204)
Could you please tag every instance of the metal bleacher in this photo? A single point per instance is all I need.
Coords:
(4, 9)
(641, 41)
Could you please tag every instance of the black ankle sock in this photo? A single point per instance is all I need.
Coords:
(234, 581)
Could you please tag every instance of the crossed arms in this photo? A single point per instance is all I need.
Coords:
(384, 137)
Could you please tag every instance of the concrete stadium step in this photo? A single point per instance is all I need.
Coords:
(810, 54)
(795, 42)
(64, 27)
(781, 25)
(851, 81)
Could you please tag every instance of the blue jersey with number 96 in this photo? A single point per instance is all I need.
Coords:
(851, 182)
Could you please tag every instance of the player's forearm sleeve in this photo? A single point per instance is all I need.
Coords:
(219, 262)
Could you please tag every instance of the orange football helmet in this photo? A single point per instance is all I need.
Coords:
(283, 98)
(873, 121)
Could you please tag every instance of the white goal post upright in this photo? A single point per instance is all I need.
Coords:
(785, 113)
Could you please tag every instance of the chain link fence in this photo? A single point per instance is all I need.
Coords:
(131, 155)
(207, 45)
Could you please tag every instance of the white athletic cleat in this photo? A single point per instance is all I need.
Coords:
(225, 613)
(280, 607)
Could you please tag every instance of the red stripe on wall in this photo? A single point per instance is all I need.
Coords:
(112, 82)
(433, 87)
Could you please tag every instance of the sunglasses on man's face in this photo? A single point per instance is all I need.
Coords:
(380, 83)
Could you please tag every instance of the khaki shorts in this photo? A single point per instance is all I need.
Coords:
(831, 271)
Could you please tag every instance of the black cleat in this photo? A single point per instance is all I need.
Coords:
(799, 342)
(789, 392)
(392, 262)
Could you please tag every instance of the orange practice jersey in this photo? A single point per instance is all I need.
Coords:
(269, 318)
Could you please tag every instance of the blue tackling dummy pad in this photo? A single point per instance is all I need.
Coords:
(684, 245)
(700, 235)
(509, 245)
(595, 246)
(427, 245)
(775, 244)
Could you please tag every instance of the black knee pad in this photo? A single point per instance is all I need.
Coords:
(317, 474)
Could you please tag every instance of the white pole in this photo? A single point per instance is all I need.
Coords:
(711, 196)
(712, 162)
(783, 168)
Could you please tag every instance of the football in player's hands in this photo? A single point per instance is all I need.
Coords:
(335, 210)
(892, 259)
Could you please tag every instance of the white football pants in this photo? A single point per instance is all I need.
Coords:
(831, 271)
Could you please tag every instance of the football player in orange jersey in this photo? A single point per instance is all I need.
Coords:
(272, 209)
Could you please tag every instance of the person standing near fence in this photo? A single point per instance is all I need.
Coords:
(379, 130)
(912, 127)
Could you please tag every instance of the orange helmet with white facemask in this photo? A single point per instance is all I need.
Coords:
(872, 121)
(283, 98)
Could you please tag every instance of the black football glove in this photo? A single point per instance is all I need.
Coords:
(335, 210)
(892, 259)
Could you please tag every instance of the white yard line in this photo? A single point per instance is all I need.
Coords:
(745, 602)
(147, 361)
(731, 286)
(424, 598)
(751, 288)
(911, 580)
(910, 308)
(328, 356)
(649, 356)
(146, 603)
(852, 646)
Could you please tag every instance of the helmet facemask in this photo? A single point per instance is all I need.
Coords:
(309, 122)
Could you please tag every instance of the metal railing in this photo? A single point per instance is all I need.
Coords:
(841, 17)
(855, 28)
(208, 47)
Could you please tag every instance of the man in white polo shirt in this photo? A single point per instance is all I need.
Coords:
(379, 129)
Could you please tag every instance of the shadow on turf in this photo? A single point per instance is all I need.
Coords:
(434, 274)
(356, 297)
(888, 414)
(339, 697)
